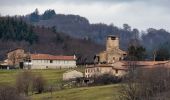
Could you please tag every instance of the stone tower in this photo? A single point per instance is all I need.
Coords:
(112, 43)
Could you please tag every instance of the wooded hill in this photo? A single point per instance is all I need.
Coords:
(45, 40)
(72, 34)
(79, 27)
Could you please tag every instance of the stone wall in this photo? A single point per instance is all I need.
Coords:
(112, 42)
(15, 57)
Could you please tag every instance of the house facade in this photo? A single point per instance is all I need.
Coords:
(47, 61)
(121, 68)
(16, 57)
(112, 53)
(111, 61)
(72, 74)
(105, 61)
(97, 70)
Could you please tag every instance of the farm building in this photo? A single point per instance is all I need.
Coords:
(112, 53)
(47, 61)
(121, 68)
(72, 74)
(96, 70)
(16, 57)
(111, 61)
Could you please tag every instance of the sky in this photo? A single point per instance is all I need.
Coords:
(141, 14)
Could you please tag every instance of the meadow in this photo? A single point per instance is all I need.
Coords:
(108, 92)
(52, 76)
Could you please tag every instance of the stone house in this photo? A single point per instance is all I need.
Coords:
(16, 57)
(100, 69)
(105, 61)
(112, 53)
(47, 61)
(72, 74)
(121, 68)
(111, 61)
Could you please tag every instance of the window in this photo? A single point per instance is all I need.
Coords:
(51, 61)
(116, 71)
(98, 70)
(113, 38)
(89, 70)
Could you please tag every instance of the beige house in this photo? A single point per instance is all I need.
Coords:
(106, 62)
(47, 61)
(121, 68)
(72, 74)
(112, 53)
(111, 61)
(16, 57)
(100, 69)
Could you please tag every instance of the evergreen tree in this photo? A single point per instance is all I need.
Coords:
(136, 53)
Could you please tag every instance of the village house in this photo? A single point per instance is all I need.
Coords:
(111, 61)
(15, 58)
(47, 61)
(18, 58)
(112, 53)
(100, 69)
(121, 68)
(104, 61)
(4, 64)
(72, 74)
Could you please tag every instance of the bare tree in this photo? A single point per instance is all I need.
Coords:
(129, 90)
(39, 84)
(24, 82)
(154, 54)
(147, 84)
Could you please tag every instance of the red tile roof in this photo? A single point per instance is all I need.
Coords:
(141, 64)
(51, 57)
(145, 63)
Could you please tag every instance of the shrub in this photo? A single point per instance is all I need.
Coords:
(27, 81)
(39, 84)
(24, 81)
(148, 84)
(10, 93)
(105, 79)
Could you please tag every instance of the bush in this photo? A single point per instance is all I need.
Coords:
(39, 84)
(10, 93)
(24, 81)
(148, 84)
(105, 79)
(27, 81)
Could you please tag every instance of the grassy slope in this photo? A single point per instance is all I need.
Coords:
(109, 92)
(52, 76)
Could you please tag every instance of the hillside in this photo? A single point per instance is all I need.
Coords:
(80, 27)
(49, 41)
(8, 77)
(108, 92)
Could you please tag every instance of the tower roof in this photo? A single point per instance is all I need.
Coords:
(112, 36)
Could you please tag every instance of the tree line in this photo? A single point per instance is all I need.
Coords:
(15, 29)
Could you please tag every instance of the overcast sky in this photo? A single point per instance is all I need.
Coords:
(140, 14)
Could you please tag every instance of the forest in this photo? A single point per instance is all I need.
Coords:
(72, 34)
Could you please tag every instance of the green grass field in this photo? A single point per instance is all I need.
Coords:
(52, 76)
(108, 92)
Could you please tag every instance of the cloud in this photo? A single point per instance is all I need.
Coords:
(26, 2)
(141, 14)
